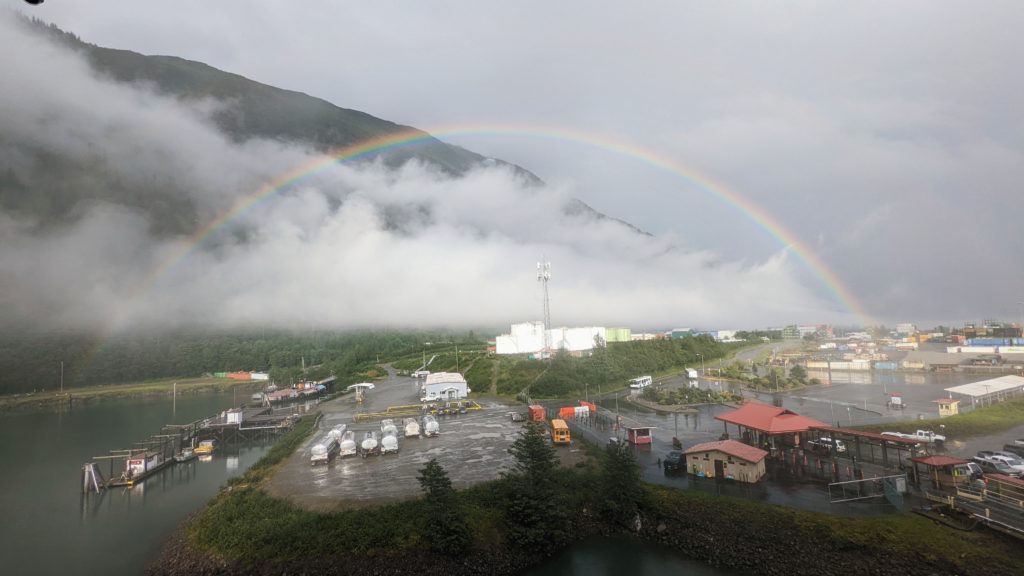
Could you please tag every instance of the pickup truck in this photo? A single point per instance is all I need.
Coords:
(824, 445)
(920, 435)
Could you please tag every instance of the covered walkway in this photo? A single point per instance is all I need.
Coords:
(767, 426)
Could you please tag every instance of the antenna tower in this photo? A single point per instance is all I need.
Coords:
(543, 276)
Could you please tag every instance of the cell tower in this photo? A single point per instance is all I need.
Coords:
(543, 276)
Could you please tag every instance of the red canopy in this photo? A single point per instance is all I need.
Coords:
(769, 419)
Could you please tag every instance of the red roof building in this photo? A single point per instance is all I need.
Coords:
(769, 419)
(726, 459)
(768, 426)
(732, 448)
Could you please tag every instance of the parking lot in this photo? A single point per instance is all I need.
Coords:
(472, 447)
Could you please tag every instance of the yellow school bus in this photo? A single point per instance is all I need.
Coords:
(559, 431)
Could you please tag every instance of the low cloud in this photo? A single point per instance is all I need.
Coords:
(348, 246)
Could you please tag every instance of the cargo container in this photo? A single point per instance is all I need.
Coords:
(536, 412)
(885, 366)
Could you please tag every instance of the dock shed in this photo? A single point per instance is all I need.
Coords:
(726, 459)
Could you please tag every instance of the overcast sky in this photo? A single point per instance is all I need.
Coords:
(886, 138)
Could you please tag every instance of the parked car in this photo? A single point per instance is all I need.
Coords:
(1014, 449)
(674, 462)
(990, 466)
(971, 470)
(1006, 458)
(1010, 458)
(824, 445)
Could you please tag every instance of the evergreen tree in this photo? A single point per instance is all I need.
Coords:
(535, 512)
(444, 523)
(621, 488)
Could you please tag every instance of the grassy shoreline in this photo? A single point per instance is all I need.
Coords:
(982, 421)
(54, 399)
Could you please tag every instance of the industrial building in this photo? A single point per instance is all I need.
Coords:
(444, 386)
(528, 338)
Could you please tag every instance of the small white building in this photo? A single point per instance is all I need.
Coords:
(444, 386)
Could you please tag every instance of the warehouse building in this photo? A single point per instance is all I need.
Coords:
(444, 386)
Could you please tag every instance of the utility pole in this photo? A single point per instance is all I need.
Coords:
(61, 376)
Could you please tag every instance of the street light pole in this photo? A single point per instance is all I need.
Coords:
(702, 373)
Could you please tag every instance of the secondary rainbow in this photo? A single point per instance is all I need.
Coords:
(754, 213)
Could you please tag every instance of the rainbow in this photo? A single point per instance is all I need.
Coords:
(768, 223)
(842, 295)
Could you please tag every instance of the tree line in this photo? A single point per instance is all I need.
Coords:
(35, 362)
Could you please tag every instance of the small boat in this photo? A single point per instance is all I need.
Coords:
(186, 454)
(206, 447)
(412, 427)
(347, 446)
(139, 466)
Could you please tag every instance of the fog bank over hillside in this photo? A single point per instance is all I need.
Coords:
(347, 246)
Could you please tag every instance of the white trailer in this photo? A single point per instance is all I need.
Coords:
(370, 444)
(387, 426)
(347, 445)
(412, 427)
(389, 442)
(323, 451)
(430, 426)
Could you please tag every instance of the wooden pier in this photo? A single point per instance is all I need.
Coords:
(234, 426)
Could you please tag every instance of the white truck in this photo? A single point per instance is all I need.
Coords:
(926, 436)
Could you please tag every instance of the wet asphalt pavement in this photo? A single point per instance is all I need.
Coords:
(472, 447)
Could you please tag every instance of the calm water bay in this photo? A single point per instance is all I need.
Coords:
(48, 527)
